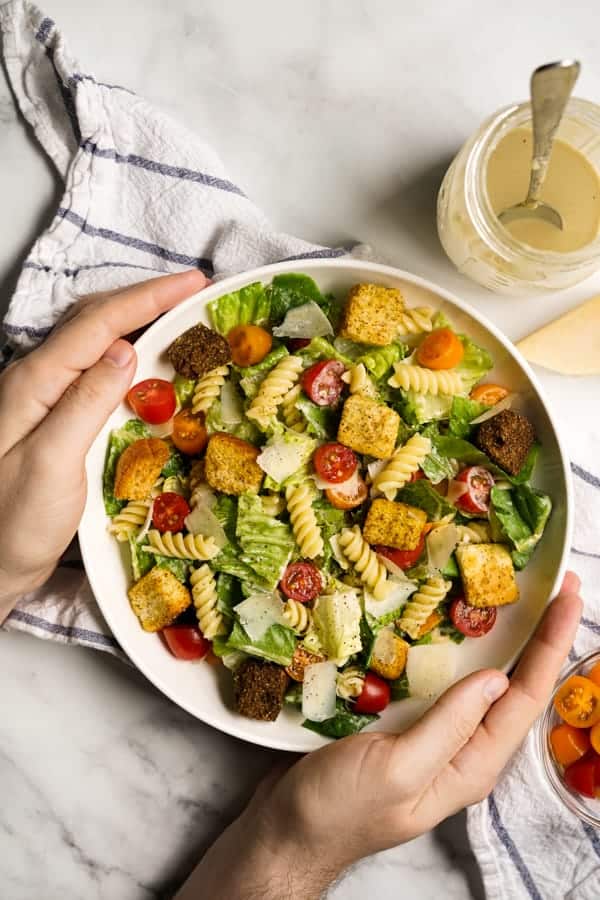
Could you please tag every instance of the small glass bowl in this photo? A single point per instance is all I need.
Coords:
(585, 808)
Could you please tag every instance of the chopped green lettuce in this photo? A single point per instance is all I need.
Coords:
(337, 622)
(331, 521)
(225, 509)
(378, 361)
(229, 561)
(447, 628)
(178, 567)
(141, 562)
(228, 593)
(119, 439)
(399, 688)
(437, 466)
(266, 543)
(417, 409)
(521, 513)
(321, 421)
(475, 363)
(526, 471)
(344, 723)
(184, 389)
(321, 348)
(250, 305)
(277, 644)
(462, 413)
(246, 430)
(422, 495)
(176, 464)
(293, 289)
(251, 377)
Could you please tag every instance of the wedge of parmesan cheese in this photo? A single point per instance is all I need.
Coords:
(430, 669)
(570, 344)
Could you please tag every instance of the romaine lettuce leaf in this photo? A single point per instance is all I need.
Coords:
(378, 361)
(184, 389)
(321, 421)
(344, 723)
(525, 473)
(251, 377)
(321, 348)
(277, 644)
(447, 628)
(141, 562)
(176, 464)
(462, 412)
(179, 567)
(229, 561)
(331, 521)
(522, 513)
(225, 509)
(228, 593)
(475, 363)
(249, 305)
(424, 496)
(293, 289)
(417, 409)
(337, 623)
(119, 439)
(246, 430)
(399, 688)
(266, 543)
(437, 466)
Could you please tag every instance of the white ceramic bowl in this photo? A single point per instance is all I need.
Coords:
(204, 690)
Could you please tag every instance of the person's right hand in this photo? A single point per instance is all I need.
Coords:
(373, 791)
(53, 402)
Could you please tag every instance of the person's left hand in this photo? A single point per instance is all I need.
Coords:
(53, 402)
(372, 791)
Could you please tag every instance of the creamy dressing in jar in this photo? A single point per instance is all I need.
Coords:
(572, 187)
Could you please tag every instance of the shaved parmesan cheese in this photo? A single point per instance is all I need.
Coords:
(349, 486)
(231, 404)
(319, 691)
(397, 595)
(441, 544)
(338, 555)
(306, 321)
(392, 568)
(430, 669)
(202, 521)
(163, 430)
(282, 458)
(204, 496)
(375, 467)
(258, 612)
(147, 523)
(505, 403)
(455, 490)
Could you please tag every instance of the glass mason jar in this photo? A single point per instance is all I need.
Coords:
(478, 245)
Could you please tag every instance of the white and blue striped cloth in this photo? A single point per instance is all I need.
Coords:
(142, 196)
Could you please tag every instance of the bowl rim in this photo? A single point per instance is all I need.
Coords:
(553, 780)
(266, 273)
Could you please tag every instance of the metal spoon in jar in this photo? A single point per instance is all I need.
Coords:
(551, 87)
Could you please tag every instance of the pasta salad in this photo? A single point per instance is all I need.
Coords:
(329, 496)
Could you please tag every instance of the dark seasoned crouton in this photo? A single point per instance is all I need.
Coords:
(259, 689)
(300, 660)
(231, 465)
(158, 598)
(138, 467)
(507, 439)
(197, 351)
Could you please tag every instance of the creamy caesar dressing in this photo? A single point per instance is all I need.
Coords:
(572, 186)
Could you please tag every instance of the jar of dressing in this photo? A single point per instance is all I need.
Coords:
(491, 173)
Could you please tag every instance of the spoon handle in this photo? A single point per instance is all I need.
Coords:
(551, 87)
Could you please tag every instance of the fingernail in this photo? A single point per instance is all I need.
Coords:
(495, 687)
(119, 354)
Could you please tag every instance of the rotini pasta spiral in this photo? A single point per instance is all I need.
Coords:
(292, 416)
(422, 604)
(208, 389)
(130, 519)
(297, 616)
(425, 381)
(350, 683)
(276, 385)
(474, 533)
(417, 320)
(273, 504)
(204, 595)
(180, 545)
(372, 572)
(358, 381)
(304, 522)
(445, 520)
(405, 461)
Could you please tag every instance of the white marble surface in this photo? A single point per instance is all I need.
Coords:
(339, 119)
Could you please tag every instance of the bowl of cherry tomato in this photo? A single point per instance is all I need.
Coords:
(568, 737)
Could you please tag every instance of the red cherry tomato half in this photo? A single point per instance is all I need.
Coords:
(169, 512)
(301, 581)
(295, 344)
(335, 463)
(323, 382)
(471, 620)
(153, 400)
(404, 559)
(375, 695)
(479, 483)
(348, 497)
(582, 776)
(185, 641)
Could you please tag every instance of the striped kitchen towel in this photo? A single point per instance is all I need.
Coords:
(142, 196)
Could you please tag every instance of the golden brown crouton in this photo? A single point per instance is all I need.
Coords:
(488, 574)
(231, 465)
(138, 467)
(368, 427)
(158, 598)
(430, 623)
(300, 660)
(197, 351)
(394, 524)
(372, 314)
(388, 656)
